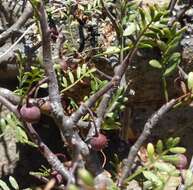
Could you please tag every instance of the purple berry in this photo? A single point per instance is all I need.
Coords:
(30, 114)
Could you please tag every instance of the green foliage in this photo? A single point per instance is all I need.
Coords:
(167, 40)
(12, 184)
(11, 121)
(190, 81)
(43, 171)
(160, 170)
(115, 108)
(27, 79)
(71, 79)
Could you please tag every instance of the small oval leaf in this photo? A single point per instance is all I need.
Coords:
(177, 150)
(3, 185)
(159, 147)
(155, 63)
(152, 177)
(150, 150)
(190, 81)
(64, 82)
(84, 69)
(78, 72)
(71, 77)
(13, 182)
(131, 28)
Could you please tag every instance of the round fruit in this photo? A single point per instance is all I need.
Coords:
(182, 163)
(30, 114)
(99, 142)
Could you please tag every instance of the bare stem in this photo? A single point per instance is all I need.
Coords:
(151, 123)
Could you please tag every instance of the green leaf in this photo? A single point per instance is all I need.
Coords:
(131, 28)
(142, 45)
(142, 14)
(169, 70)
(176, 141)
(72, 187)
(159, 147)
(151, 34)
(163, 22)
(149, 41)
(84, 68)
(181, 31)
(152, 11)
(21, 135)
(45, 85)
(164, 167)
(177, 150)
(86, 177)
(64, 82)
(169, 142)
(190, 81)
(13, 182)
(71, 77)
(155, 30)
(3, 185)
(188, 178)
(162, 45)
(155, 63)
(150, 150)
(171, 158)
(112, 49)
(78, 72)
(167, 32)
(3, 123)
(157, 17)
(174, 58)
(172, 46)
(152, 177)
(94, 85)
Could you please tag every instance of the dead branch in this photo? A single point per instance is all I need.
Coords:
(28, 12)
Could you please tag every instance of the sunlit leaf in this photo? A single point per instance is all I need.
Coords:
(64, 82)
(159, 147)
(71, 77)
(164, 167)
(84, 68)
(78, 72)
(188, 178)
(177, 150)
(155, 63)
(131, 28)
(3, 185)
(13, 182)
(152, 177)
(190, 81)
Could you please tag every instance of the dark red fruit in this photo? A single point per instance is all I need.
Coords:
(98, 142)
(182, 163)
(30, 114)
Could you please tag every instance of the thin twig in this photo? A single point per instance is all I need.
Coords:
(92, 100)
(172, 5)
(182, 73)
(46, 152)
(10, 96)
(50, 185)
(17, 41)
(64, 123)
(112, 19)
(103, 74)
(28, 12)
(151, 123)
(9, 105)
